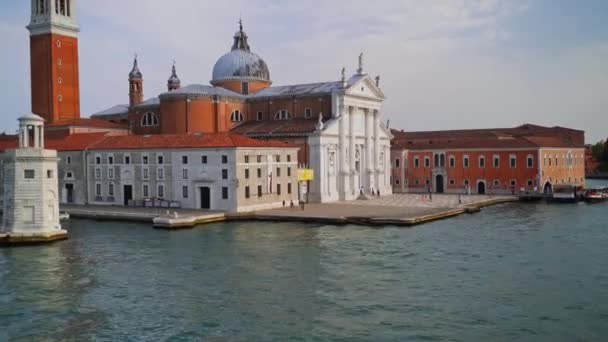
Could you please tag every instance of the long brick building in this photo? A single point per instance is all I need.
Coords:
(505, 160)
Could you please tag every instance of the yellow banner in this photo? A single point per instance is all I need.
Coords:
(306, 175)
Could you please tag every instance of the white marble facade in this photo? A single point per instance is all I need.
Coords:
(351, 152)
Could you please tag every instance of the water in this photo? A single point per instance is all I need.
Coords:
(516, 272)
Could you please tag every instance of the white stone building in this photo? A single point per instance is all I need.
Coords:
(30, 198)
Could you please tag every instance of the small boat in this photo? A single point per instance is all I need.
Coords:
(596, 195)
(64, 216)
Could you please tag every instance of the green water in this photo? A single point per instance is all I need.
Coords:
(515, 272)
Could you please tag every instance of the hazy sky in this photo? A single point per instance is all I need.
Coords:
(443, 64)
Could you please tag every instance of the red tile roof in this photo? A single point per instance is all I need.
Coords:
(86, 122)
(182, 141)
(524, 136)
(277, 127)
(74, 142)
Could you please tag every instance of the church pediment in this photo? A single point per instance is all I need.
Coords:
(365, 87)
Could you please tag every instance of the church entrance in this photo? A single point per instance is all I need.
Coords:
(69, 190)
(205, 193)
(481, 188)
(439, 185)
(127, 194)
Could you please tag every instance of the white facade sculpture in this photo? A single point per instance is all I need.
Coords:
(351, 153)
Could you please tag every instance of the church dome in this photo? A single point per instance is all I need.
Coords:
(240, 64)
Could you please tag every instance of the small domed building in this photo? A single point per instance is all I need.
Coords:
(337, 124)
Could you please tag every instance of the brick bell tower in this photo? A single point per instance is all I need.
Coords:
(54, 60)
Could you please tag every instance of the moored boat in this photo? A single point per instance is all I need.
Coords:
(596, 195)
(565, 193)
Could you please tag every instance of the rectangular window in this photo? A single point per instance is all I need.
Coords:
(530, 182)
(452, 181)
(246, 159)
(146, 190)
(245, 88)
(513, 182)
(259, 191)
(145, 160)
(69, 175)
(68, 160)
(247, 192)
(224, 159)
(513, 162)
(97, 173)
(110, 160)
(160, 173)
(49, 173)
(259, 116)
(246, 173)
(185, 191)
(277, 158)
(452, 162)
(225, 192)
(127, 160)
(466, 182)
(289, 188)
(98, 190)
(97, 160)
(146, 174)
(184, 160)
(397, 165)
(160, 160)
(530, 162)
(289, 158)
(259, 172)
(496, 162)
(28, 174)
(482, 162)
(278, 172)
(224, 174)
(278, 189)
(465, 162)
(259, 159)
(161, 191)
(308, 113)
(288, 172)
(111, 173)
(185, 173)
(111, 189)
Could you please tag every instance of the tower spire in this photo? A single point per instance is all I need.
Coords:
(240, 38)
(174, 82)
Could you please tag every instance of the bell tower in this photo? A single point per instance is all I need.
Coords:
(54, 60)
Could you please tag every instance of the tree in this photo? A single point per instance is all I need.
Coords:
(599, 150)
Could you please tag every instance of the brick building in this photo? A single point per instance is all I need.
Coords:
(505, 160)
(336, 125)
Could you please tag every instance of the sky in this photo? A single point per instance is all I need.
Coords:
(444, 64)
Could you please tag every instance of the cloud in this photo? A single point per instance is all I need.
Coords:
(444, 63)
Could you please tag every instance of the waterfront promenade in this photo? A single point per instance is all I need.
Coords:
(397, 209)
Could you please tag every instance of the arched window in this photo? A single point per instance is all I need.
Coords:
(62, 9)
(236, 116)
(283, 114)
(149, 119)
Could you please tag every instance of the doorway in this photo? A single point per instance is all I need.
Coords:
(439, 184)
(127, 194)
(69, 189)
(205, 197)
(481, 188)
(548, 189)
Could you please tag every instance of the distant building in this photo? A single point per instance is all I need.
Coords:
(506, 160)
(29, 188)
(336, 124)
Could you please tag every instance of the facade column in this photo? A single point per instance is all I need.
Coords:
(342, 169)
(41, 137)
(369, 150)
(377, 151)
(351, 147)
(26, 137)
